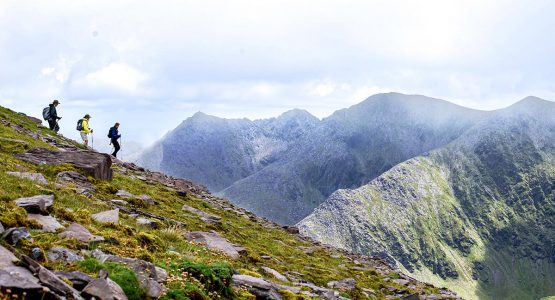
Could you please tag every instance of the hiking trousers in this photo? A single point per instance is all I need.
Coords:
(116, 147)
(53, 125)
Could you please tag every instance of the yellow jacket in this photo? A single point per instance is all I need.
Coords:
(85, 125)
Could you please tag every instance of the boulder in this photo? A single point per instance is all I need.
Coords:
(48, 223)
(80, 233)
(259, 287)
(346, 284)
(205, 217)
(291, 229)
(103, 288)
(147, 200)
(119, 202)
(6, 258)
(2, 228)
(124, 194)
(63, 255)
(19, 280)
(97, 165)
(78, 279)
(16, 234)
(148, 223)
(82, 184)
(109, 216)
(214, 241)
(275, 273)
(37, 177)
(50, 280)
(36, 204)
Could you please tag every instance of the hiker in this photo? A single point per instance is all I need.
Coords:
(114, 135)
(83, 127)
(51, 115)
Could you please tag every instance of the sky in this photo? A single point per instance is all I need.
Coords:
(151, 64)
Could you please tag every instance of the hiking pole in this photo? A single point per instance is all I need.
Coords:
(92, 138)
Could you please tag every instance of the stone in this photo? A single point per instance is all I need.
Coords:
(259, 287)
(18, 279)
(80, 233)
(147, 200)
(37, 177)
(103, 288)
(124, 194)
(78, 279)
(83, 185)
(291, 229)
(37, 204)
(150, 277)
(36, 253)
(63, 255)
(214, 241)
(275, 273)
(6, 257)
(2, 228)
(402, 282)
(148, 223)
(411, 297)
(48, 223)
(97, 165)
(14, 235)
(205, 217)
(50, 280)
(109, 216)
(347, 284)
(119, 202)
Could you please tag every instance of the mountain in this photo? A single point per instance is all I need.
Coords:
(298, 172)
(477, 214)
(77, 224)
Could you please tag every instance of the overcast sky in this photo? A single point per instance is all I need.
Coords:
(152, 64)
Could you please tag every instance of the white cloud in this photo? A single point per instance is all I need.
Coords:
(117, 75)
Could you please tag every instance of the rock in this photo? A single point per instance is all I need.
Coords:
(63, 255)
(80, 233)
(50, 280)
(343, 284)
(2, 228)
(291, 229)
(48, 223)
(205, 217)
(308, 250)
(78, 279)
(36, 253)
(103, 288)
(411, 297)
(323, 292)
(37, 177)
(18, 280)
(259, 287)
(148, 223)
(150, 277)
(36, 204)
(147, 200)
(6, 258)
(16, 234)
(214, 241)
(124, 194)
(97, 165)
(275, 273)
(402, 282)
(83, 185)
(119, 202)
(109, 216)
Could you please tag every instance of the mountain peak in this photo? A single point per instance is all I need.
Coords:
(296, 114)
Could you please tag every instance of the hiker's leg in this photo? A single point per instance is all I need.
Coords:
(84, 138)
(52, 124)
(116, 147)
(56, 127)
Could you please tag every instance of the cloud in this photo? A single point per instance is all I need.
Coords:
(117, 75)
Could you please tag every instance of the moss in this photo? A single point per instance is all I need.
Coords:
(17, 217)
(249, 272)
(288, 295)
(148, 240)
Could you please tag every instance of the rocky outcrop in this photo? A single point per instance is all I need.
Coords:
(14, 235)
(214, 241)
(63, 255)
(205, 217)
(275, 273)
(81, 183)
(37, 204)
(36, 177)
(103, 288)
(109, 216)
(261, 288)
(97, 165)
(48, 223)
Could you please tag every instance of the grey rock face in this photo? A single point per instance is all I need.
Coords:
(80, 233)
(124, 194)
(83, 185)
(103, 288)
(97, 165)
(37, 177)
(48, 223)
(36, 204)
(206, 217)
(79, 279)
(261, 288)
(343, 284)
(16, 234)
(64, 255)
(109, 216)
(148, 223)
(213, 240)
(275, 273)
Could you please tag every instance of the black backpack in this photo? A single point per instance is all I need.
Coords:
(80, 125)
(110, 133)
(46, 113)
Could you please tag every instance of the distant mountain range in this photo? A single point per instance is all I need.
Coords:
(459, 197)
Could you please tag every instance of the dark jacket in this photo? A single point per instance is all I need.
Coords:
(114, 133)
(53, 112)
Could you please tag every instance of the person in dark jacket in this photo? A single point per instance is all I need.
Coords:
(114, 137)
(53, 121)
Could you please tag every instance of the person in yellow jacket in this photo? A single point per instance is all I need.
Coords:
(85, 129)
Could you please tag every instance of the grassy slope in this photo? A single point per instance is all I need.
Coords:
(165, 246)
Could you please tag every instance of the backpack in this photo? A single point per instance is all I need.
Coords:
(80, 125)
(46, 113)
(111, 133)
